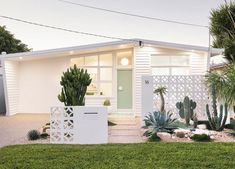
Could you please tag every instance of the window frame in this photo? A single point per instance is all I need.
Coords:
(170, 65)
(98, 81)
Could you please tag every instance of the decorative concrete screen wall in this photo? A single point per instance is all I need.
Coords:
(178, 87)
(79, 125)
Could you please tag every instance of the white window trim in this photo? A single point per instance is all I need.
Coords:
(171, 65)
(98, 67)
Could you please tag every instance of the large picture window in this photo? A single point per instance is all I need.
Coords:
(170, 65)
(100, 68)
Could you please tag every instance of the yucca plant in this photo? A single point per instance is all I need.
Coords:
(157, 122)
(224, 84)
(161, 91)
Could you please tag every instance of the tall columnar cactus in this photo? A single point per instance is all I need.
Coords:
(186, 109)
(216, 122)
(74, 84)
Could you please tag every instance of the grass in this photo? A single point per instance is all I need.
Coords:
(120, 156)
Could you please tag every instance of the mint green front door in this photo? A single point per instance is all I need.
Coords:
(124, 89)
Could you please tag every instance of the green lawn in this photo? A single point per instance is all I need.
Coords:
(123, 156)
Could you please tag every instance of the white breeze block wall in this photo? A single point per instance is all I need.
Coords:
(177, 88)
(39, 84)
(79, 125)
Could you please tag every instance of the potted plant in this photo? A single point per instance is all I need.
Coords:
(108, 104)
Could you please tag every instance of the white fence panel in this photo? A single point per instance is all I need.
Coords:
(79, 125)
(178, 87)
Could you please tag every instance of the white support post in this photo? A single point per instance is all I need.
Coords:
(147, 96)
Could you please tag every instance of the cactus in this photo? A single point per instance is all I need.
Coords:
(216, 122)
(186, 109)
(161, 91)
(74, 84)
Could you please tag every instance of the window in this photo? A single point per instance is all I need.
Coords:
(170, 65)
(100, 68)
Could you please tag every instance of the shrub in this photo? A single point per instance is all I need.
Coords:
(231, 125)
(44, 135)
(201, 137)
(154, 138)
(33, 135)
(107, 102)
(111, 123)
(180, 134)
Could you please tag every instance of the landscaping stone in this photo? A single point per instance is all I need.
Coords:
(200, 131)
(164, 135)
(185, 131)
(201, 126)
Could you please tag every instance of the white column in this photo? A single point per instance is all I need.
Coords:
(146, 95)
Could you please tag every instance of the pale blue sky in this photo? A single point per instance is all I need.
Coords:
(53, 12)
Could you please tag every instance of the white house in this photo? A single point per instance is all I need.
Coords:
(31, 79)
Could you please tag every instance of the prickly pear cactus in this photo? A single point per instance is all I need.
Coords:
(74, 84)
(186, 109)
(180, 106)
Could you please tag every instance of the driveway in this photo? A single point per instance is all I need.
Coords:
(16, 127)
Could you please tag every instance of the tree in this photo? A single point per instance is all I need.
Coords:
(222, 29)
(224, 84)
(9, 44)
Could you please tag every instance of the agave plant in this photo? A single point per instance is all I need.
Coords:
(157, 122)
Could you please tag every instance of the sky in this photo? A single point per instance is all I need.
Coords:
(57, 13)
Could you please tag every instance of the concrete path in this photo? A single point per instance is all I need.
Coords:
(16, 127)
(127, 130)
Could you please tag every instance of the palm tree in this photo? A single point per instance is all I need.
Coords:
(161, 91)
(224, 84)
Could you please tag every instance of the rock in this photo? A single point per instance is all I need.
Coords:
(200, 131)
(185, 131)
(212, 137)
(164, 135)
(201, 126)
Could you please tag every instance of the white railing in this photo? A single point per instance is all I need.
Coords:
(79, 125)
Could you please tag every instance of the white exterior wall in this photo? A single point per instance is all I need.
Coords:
(142, 66)
(198, 64)
(11, 86)
(39, 83)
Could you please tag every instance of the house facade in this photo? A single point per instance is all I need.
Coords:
(32, 79)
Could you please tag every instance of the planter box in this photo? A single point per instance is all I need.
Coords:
(79, 125)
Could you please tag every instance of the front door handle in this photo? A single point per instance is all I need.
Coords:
(120, 88)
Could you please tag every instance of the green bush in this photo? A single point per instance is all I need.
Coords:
(44, 135)
(107, 102)
(231, 125)
(201, 137)
(154, 138)
(33, 135)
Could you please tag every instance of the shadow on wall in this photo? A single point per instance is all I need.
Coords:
(2, 98)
